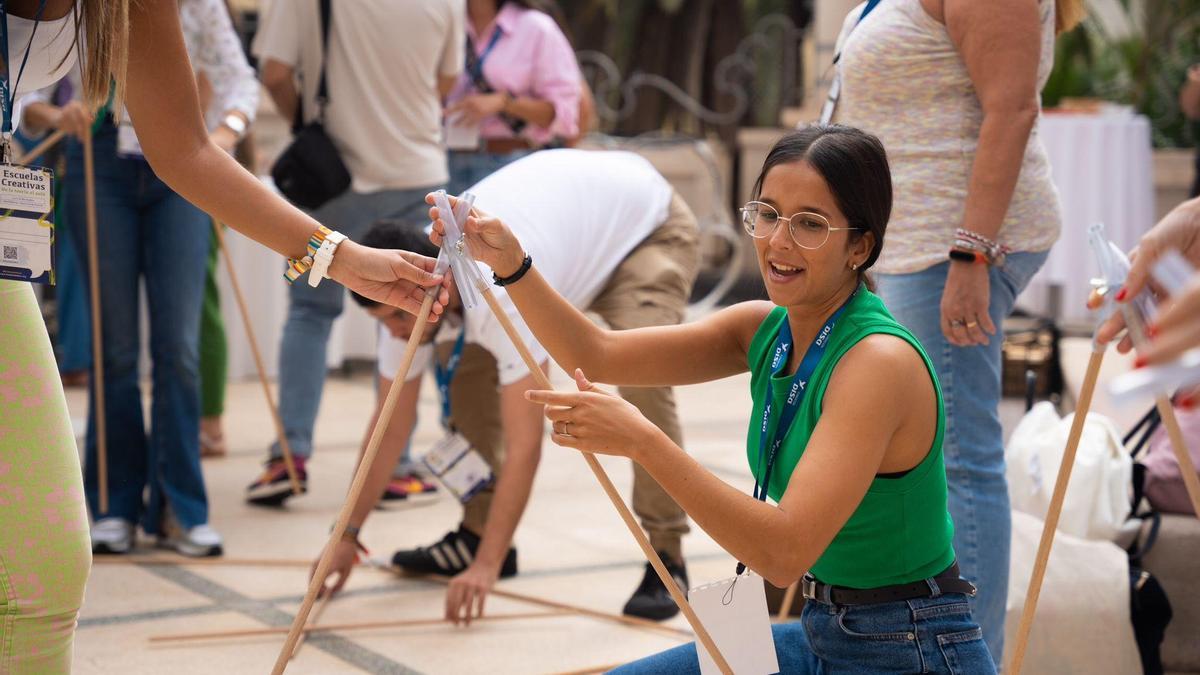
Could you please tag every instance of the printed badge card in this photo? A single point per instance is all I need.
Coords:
(27, 224)
(734, 612)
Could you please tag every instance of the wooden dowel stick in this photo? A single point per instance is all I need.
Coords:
(1179, 444)
(285, 448)
(618, 503)
(632, 621)
(594, 670)
(89, 191)
(42, 147)
(789, 597)
(183, 561)
(1055, 510)
(360, 478)
(340, 627)
(312, 625)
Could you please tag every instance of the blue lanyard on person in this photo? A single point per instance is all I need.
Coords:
(475, 62)
(835, 87)
(791, 405)
(8, 90)
(445, 375)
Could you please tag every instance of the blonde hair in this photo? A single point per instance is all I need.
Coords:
(102, 28)
(1067, 15)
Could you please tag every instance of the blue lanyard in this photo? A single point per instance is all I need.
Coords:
(871, 4)
(808, 365)
(812, 357)
(445, 374)
(7, 91)
(476, 65)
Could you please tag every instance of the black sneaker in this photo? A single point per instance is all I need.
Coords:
(274, 487)
(651, 600)
(453, 554)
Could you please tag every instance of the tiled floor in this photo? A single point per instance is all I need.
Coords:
(573, 548)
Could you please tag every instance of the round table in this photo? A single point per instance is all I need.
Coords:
(1103, 168)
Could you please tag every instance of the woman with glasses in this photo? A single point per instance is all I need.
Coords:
(846, 425)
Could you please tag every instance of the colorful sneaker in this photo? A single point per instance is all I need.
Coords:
(199, 542)
(412, 487)
(453, 554)
(112, 535)
(651, 600)
(273, 487)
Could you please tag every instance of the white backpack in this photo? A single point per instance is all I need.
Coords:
(1097, 500)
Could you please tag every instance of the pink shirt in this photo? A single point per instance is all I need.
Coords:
(532, 58)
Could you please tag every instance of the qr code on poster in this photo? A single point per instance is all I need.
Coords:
(10, 253)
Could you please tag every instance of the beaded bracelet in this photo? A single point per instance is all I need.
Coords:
(296, 267)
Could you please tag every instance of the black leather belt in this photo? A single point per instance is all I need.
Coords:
(947, 582)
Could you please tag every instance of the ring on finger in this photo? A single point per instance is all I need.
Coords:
(957, 323)
(971, 324)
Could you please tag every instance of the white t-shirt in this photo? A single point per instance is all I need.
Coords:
(578, 213)
(385, 56)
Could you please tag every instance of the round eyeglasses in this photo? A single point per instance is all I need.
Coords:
(808, 230)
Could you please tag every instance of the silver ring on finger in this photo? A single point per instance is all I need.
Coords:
(957, 323)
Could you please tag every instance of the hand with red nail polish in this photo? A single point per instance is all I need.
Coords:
(1179, 230)
(1177, 327)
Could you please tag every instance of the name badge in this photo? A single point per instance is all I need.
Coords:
(128, 145)
(27, 223)
(458, 466)
(461, 135)
(734, 611)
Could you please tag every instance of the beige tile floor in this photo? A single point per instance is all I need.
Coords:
(573, 548)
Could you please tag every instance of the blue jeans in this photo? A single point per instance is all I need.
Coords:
(974, 443)
(926, 635)
(468, 168)
(74, 340)
(146, 232)
(312, 311)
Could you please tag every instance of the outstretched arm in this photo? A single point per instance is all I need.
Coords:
(709, 349)
(162, 100)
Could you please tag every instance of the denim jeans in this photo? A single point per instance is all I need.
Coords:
(926, 635)
(74, 339)
(145, 232)
(974, 442)
(312, 311)
(468, 168)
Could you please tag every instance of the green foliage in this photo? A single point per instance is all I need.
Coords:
(1145, 69)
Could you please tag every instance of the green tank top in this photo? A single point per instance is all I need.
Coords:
(901, 531)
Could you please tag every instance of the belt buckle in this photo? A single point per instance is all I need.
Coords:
(808, 587)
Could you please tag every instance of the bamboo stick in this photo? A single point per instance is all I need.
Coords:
(1055, 510)
(340, 627)
(285, 448)
(47, 143)
(633, 621)
(618, 503)
(789, 598)
(356, 487)
(1179, 444)
(89, 191)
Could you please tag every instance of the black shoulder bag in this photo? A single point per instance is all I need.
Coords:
(310, 171)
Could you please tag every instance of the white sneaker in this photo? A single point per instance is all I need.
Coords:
(112, 535)
(199, 542)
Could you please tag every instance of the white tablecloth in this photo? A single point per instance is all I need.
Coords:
(1103, 169)
(260, 273)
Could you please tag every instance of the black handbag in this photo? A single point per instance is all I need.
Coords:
(1149, 608)
(310, 171)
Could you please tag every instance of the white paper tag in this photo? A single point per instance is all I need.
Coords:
(128, 145)
(734, 612)
(461, 135)
(26, 223)
(455, 463)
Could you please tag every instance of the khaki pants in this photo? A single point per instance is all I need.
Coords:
(650, 287)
